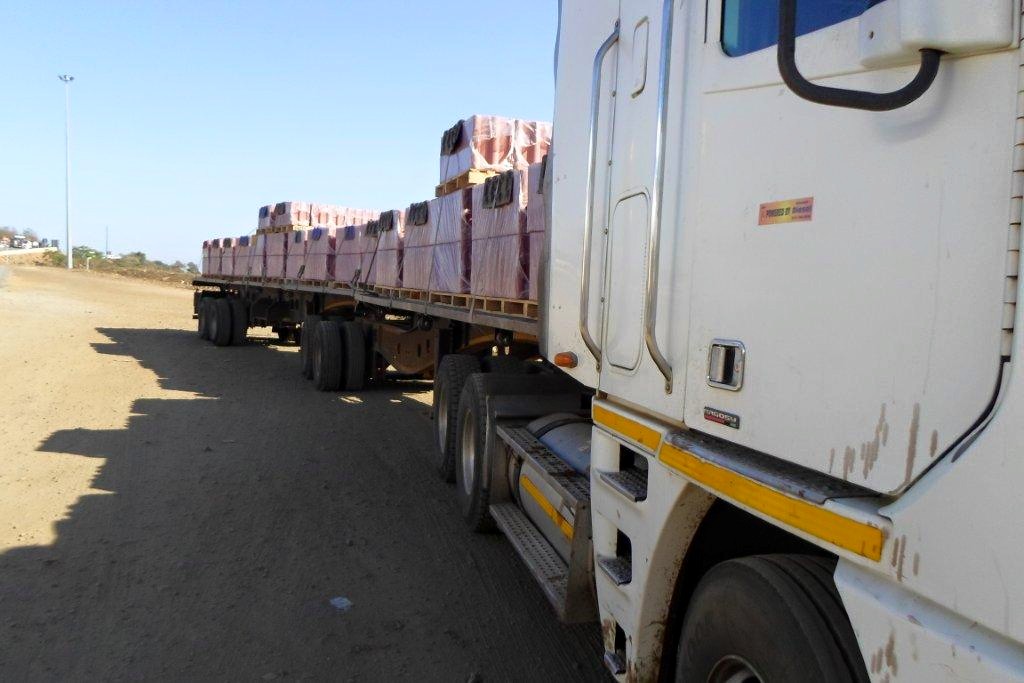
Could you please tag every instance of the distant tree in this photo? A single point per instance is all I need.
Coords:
(192, 268)
(82, 253)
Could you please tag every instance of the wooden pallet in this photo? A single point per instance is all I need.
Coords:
(467, 179)
(449, 299)
(518, 307)
(277, 231)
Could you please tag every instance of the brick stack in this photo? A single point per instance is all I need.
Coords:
(320, 255)
(451, 219)
(500, 259)
(386, 268)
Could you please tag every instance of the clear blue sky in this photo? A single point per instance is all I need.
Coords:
(187, 116)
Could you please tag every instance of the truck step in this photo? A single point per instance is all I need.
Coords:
(550, 571)
(569, 483)
(631, 483)
(618, 569)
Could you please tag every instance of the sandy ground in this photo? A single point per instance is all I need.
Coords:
(174, 511)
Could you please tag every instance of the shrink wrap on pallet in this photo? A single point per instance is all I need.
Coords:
(420, 232)
(477, 142)
(355, 245)
(500, 259)
(333, 216)
(492, 143)
(207, 255)
(536, 226)
(451, 217)
(257, 267)
(277, 254)
(386, 266)
(291, 214)
(240, 263)
(295, 260)
(320, 255)
(216, 257)
(227, 257)
(266, 218)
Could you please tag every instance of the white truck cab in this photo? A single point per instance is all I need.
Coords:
(784, 253)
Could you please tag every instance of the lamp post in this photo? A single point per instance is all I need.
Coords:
(67, 164)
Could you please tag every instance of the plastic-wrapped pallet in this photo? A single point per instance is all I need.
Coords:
(451, 218)
(353, 243)
(320, 258)
(499, 254)
(266, 219)
(207, 254)
(532, 142)
(386, 268)
(291, 215)
(227, 257)
(295, 261)
(243, 247)
(258, 258)
(277, 254)
(216, 252)
(536, 226)
(478, 142)
(418, 255)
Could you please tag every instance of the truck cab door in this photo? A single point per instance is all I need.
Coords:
(636, 236)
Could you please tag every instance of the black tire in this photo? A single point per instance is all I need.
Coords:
(239, 321)
(327, 356)
(778, 616)
(221, 332)
(211, 319)
(451, 377)
(307, 342)
(472, 462)
(204, 319)
(354, 344)
(504, 365)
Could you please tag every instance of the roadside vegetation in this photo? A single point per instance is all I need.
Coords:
(134, 264)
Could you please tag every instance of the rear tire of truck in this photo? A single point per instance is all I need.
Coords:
(204, 319)
(239, 321)
(327, 356)
(221, 332)
(354, 342)
(769, 618)
(475, 436)
(307, 341)
(451, 377)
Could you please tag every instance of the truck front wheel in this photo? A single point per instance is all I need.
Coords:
(769, 618)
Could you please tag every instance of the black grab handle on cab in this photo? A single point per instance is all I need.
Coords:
(840, 97)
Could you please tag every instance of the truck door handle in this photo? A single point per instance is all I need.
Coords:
(588, 223)
(841, 97)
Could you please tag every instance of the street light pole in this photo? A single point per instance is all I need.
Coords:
(67, 165)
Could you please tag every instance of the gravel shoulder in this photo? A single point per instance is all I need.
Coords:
(174, 511)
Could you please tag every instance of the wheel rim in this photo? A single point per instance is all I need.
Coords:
(468, 453)
(442, 418)
(734, 669)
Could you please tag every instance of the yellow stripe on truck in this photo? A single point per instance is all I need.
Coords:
(630, 429)
(561, 522)
(829, 526)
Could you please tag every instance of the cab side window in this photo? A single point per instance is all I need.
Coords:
(752, 25)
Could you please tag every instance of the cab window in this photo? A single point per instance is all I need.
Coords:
(752, 25)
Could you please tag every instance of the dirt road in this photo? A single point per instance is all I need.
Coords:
(171, 510)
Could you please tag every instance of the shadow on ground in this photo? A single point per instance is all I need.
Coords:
(230, 516)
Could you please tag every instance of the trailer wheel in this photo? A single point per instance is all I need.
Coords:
(307, 341)
(327, 356)
(221, 332)
(769, 618)
(448, 384)
(211, 319)
(239, 321)
(204, 319)
(475, 436)
(354, 342)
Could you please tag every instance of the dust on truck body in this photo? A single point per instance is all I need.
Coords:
(774, 429)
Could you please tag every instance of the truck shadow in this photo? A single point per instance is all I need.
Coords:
(234, 506)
